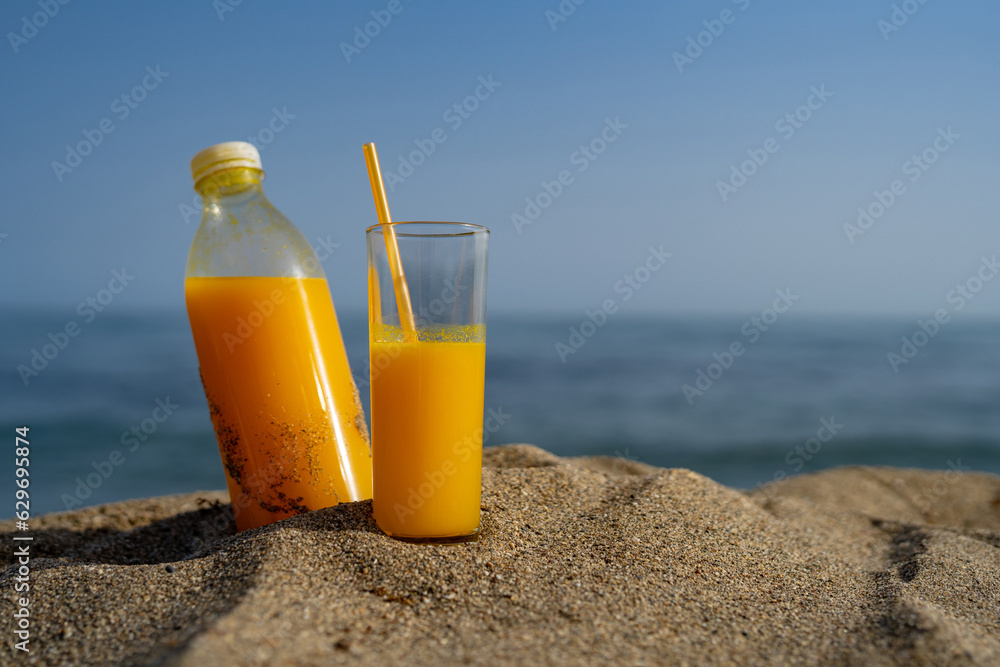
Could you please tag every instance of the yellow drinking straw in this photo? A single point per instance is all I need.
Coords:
(395, 265)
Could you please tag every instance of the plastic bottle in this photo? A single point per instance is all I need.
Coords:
(284, 405)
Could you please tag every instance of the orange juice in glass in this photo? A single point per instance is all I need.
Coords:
(427, 383)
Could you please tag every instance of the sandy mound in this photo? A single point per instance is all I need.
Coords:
(581, 560)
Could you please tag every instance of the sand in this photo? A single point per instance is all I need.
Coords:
(581, 561)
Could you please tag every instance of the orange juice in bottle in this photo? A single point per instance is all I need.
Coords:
(286, 413)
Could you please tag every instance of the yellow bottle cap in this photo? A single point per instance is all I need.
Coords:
(228, 155)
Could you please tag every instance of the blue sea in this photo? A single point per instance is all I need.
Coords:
(805, 394)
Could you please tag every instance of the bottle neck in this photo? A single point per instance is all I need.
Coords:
(242, 182)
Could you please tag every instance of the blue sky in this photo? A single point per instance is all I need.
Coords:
(554, 87)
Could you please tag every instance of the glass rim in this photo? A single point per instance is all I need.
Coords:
(400, 228)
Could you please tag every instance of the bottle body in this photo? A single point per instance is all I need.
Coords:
(287, 418)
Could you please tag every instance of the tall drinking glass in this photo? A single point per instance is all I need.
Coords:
(427, 380)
